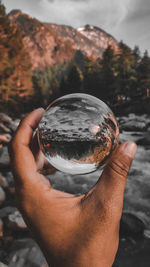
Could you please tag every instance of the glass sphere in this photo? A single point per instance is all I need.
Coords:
(77, 133)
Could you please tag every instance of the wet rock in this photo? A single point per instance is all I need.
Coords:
(16, 222)
(3, 265)
(4, 128)
(4, 212)
(9, 178)
(2, 196)
(3, 181)
(145, 141)
(134, 123)
(13, 125)
(4, 158)
(26, 253)
(5, 138)
(1, 228)
(5, 118)
(131, 225)
(134, 126)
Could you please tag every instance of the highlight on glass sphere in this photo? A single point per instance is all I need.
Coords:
(77, 133)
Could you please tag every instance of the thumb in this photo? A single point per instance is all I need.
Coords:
(111, 184)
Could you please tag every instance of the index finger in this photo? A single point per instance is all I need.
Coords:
(22, 159)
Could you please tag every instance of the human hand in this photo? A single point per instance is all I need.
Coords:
(72, 231)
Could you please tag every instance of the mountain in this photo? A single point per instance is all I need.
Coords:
(48, 44)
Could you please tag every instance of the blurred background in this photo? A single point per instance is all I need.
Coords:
(47, 52)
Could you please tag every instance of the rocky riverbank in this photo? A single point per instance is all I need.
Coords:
(16, 245)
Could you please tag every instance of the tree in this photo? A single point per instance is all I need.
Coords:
(71, 83)
(144, 73)
(126, 71)
(15, 67)
(91, 76)
(107, 90)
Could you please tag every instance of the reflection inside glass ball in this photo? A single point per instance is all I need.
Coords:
(77, 133)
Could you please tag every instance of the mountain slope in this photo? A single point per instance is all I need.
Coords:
(48, 44)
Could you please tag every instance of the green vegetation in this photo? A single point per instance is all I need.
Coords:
(113, 78)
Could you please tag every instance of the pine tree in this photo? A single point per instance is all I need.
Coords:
(144, 74)
(126, 71)
(91, 76)
(107, 90)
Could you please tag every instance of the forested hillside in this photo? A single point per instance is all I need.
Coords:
(39, 62)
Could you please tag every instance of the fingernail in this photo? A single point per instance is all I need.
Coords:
(130, 149)
(40, 108)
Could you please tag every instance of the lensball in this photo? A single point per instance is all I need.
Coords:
(77, 133)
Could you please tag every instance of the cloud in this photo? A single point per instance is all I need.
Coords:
(134, 28)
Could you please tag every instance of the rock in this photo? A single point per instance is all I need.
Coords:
(3, 181)
(2, 196)
(4, 129)
(26, 253)
(134, 125)
(16, 222)
(3, 265)
(131, 225)
(5, 118)
(4, 158)
(4, 212)
(147, 233)
(145, 141)
(9, 178)
(13, 126)
(1, 228)
(5, 138)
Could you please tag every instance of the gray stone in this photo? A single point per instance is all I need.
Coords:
(145, 141)
(3, 265)
(4, 212)
(13, 126)
(16, 222)
(4, 128)
(133, 125)
(2, 196)
(4, 158)
(3, 181)
(1, 228)
(131, 225)
(9, 178)
(26, 253)
(5, 138)
(5, 118)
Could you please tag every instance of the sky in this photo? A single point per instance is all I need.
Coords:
(127, 20)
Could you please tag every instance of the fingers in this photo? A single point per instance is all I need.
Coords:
(109, 190)
(22, 159)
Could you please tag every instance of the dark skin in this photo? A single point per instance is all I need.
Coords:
(72, 231)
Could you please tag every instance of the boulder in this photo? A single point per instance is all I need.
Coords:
(1, 228)
(5, 118)
(3, 265)
(9, 178)
(2, 196)
(131, 225)
(4, 159)
(4, 129)
(133, 125)
(5, 138)
(16, 222)
(134, 122)
(26, 253)
(145, 141)
(3, 181)
(4, 212)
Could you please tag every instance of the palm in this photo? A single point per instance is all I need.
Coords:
(71, 230)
